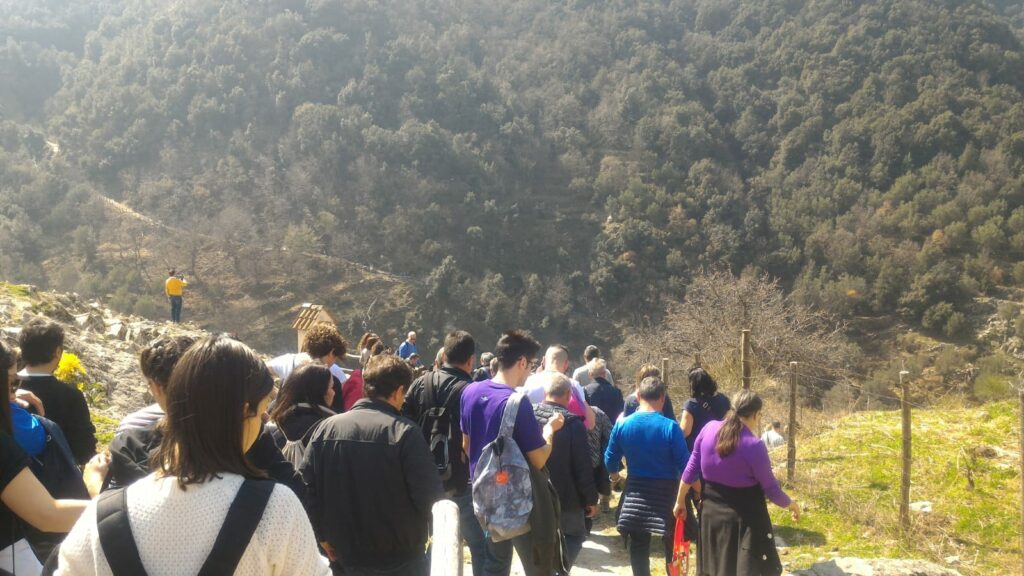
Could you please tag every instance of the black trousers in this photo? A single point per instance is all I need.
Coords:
(640, 551)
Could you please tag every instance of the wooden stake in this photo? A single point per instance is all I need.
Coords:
(1020, 397)
(664, 371)
(905, 476)
(697, 361)
(791, 450)
(745, 357)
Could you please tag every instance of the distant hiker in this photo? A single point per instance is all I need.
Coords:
(582, 374)
(706, 403)
(372, 481)
(174, 287)
(434, 402)
(484, 371)
(601, 392)
(207, 508)
(569, 464)
(772, 437)
(156, 360)
(656, 451)
(22, 497)
(556, 359)
(408, 347)
(632, 403)
(365, 345)
(352, 390)
(303, 402)
(483, 406)
(731, 470)
(42, 345)
(414, 361)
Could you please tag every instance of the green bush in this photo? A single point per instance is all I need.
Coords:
(989, 387)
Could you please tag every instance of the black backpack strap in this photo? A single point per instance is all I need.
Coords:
(240, 524)
(115, 534)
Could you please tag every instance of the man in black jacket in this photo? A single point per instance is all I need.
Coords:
(42, 345)
(371, 480)
(601, 392)
(569, 464)
(442, 390)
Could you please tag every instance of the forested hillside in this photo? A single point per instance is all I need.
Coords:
(563, 166)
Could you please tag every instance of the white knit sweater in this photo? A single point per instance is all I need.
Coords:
(175, 530)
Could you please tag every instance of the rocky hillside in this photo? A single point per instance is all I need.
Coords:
(106, 343)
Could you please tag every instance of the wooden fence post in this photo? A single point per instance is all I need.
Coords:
(446, 545)
(791, 450)
(697, 361)
(905, 475)
(745, 357)
(664, 371)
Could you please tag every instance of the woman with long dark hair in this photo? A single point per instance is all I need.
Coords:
(21, 494)
(730, 467)
(205, 508)
(706, 403)
(303, 402)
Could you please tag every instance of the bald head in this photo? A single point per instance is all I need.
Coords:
(411, 337)
(556, 359)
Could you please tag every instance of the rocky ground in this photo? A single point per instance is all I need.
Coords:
(106, 343)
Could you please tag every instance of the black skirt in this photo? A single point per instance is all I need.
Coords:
(736, 533)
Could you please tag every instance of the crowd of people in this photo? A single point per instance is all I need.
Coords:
(295, 465)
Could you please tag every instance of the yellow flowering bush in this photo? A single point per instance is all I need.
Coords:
(71, 371)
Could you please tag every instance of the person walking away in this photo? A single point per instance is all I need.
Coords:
(731, 470)
(556, 359)
(655, 449)
(303, 402)
(582, 374)
(174, 288)
(133, 447)
(434, 402)
(325, 344)
(632, 403)
(42, 345)
(601, 393)
(483, 405)
(569, 464)
(371, 480)
(206, 507)
(408, 348)
(484, 371)
(706, 403)
(597, 438)
(773, 437)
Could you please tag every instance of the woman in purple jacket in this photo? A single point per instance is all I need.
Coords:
(732, 463)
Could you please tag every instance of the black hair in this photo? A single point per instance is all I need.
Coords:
(8, 357)
(745, 404)
(158, 358)
(39, 341)
(459, 347)
(513, 345)
(702, 385)
(217, 384)
(384, 374)
(591, 352)
(651, 389)
(306, 384)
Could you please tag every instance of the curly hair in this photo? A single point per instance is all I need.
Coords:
(158, 358)
(322, 339)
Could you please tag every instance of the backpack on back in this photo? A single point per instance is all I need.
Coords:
(502, 491)
(436, 423)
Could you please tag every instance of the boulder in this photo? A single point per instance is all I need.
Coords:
(876, 567)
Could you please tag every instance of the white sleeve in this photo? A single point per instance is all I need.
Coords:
(80, 552)
(286, 535)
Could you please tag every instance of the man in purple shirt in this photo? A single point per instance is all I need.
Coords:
(482, 406)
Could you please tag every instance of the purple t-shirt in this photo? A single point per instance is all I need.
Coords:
(482, 406)
(749, 465)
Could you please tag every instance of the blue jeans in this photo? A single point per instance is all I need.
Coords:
(175, 308)
(471, 532)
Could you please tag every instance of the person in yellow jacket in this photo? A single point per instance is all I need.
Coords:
(174, 287)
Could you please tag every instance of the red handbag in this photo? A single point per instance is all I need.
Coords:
(680, 565)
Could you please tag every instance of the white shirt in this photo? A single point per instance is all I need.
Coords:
(175, 531)
(582, 375)
(534, 389)
(772, 439)
(284, 364)
(143, 418)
